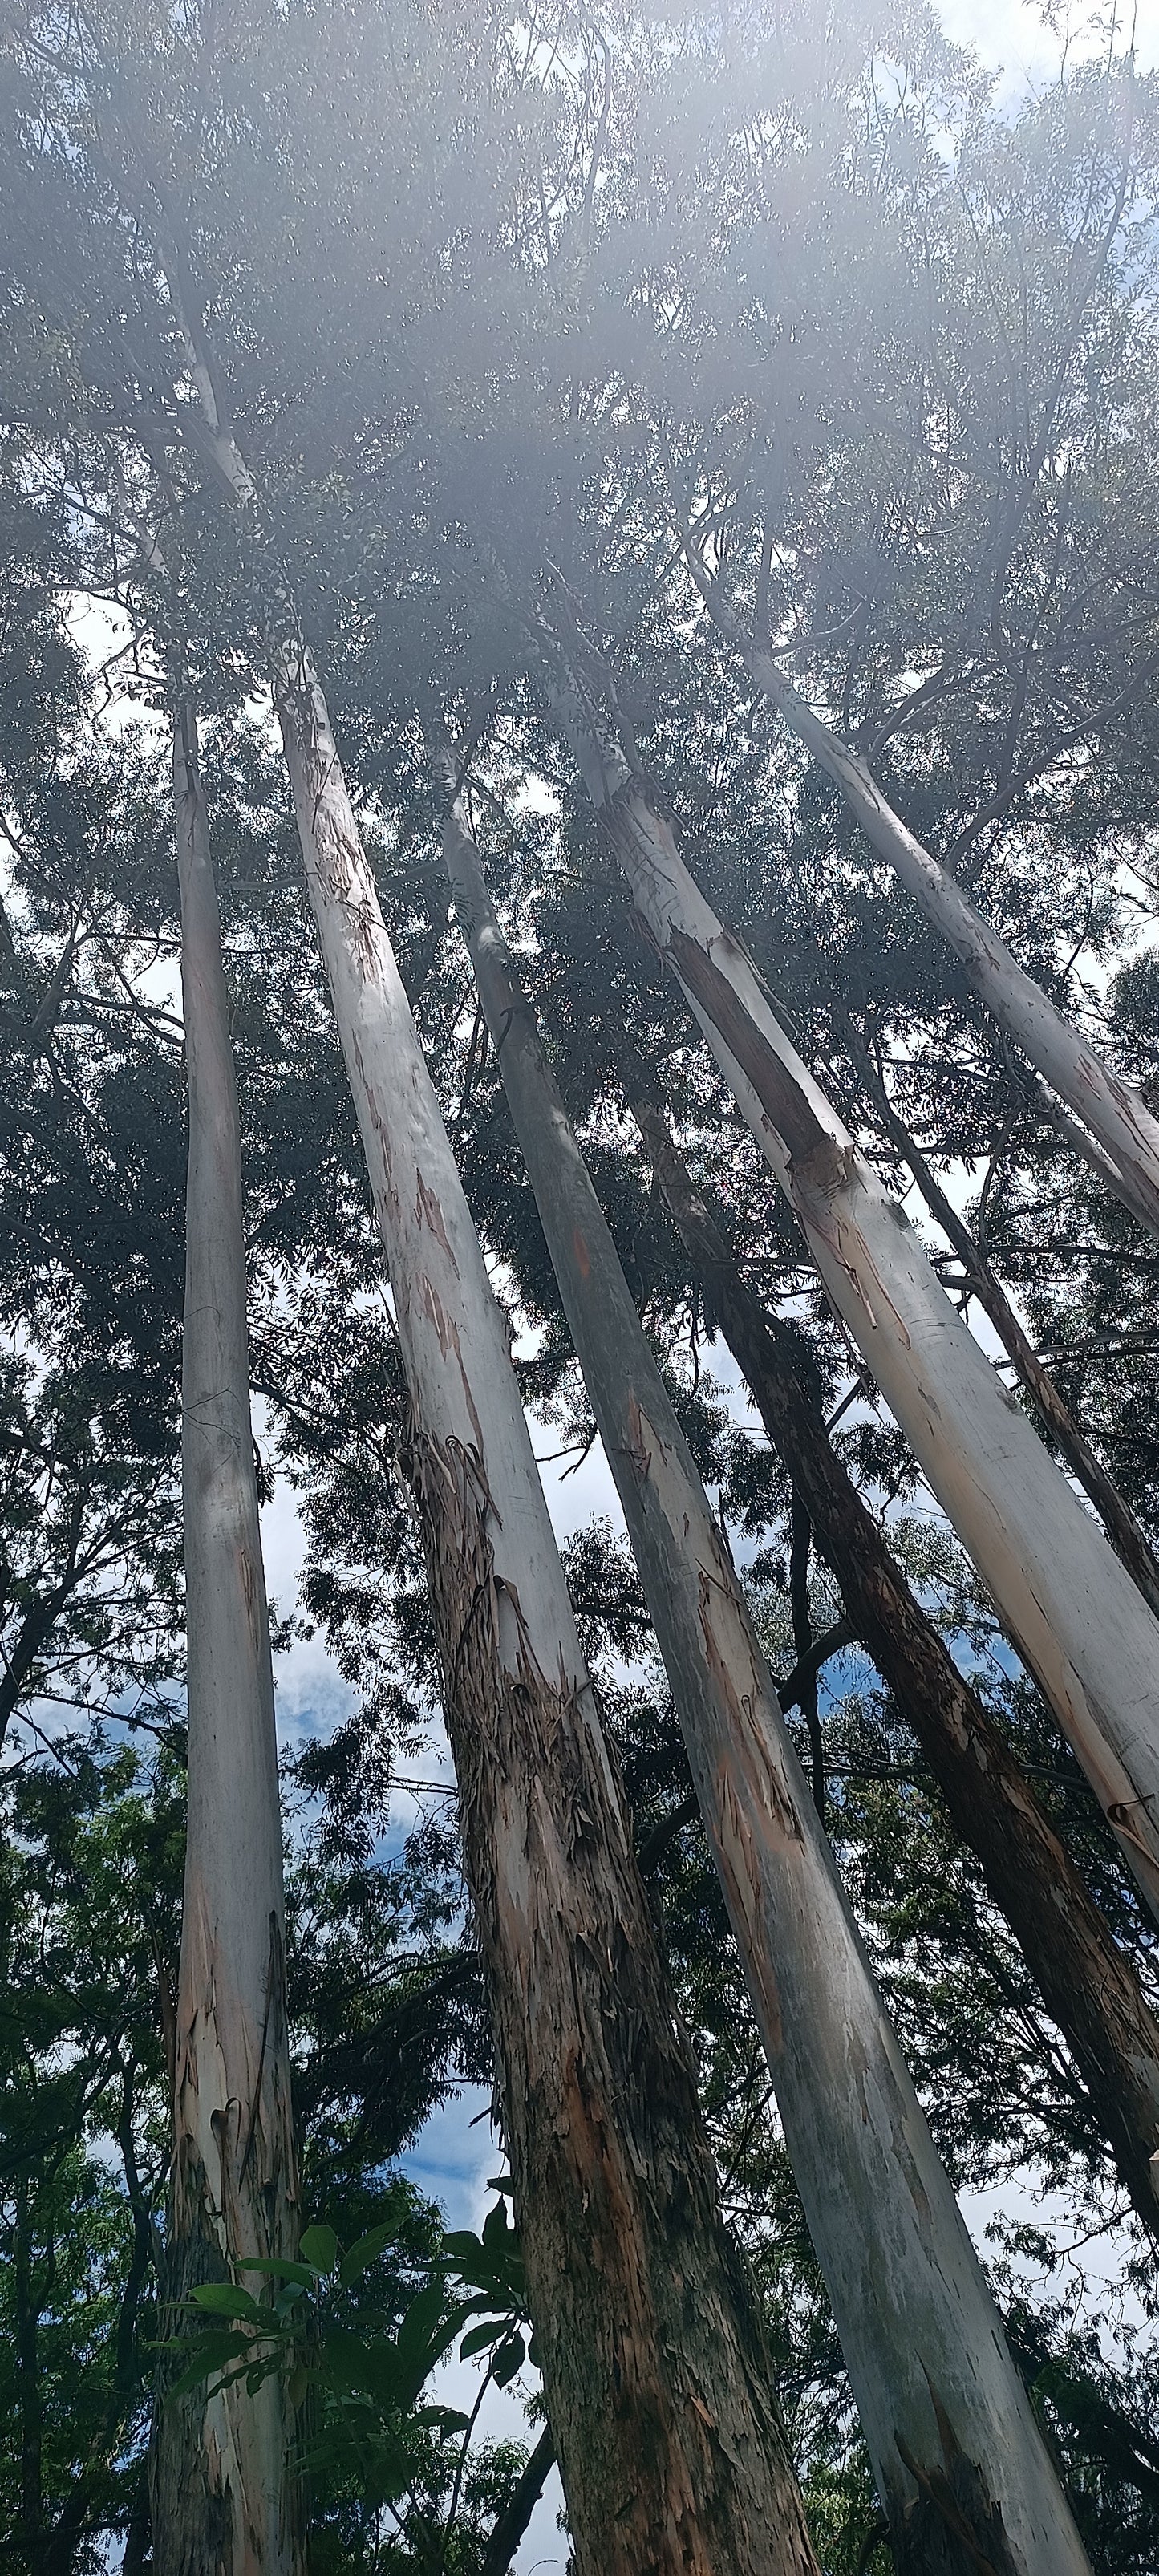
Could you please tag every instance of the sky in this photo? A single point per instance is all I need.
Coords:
(1021, 51)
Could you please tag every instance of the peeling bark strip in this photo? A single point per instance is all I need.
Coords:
(1088, 1985)
(654, 2362)
(959, 2460)
(1068, 1605)
(1111, 1109)
(616, 2190)
(223, 2499)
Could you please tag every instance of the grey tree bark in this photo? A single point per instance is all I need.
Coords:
(1089, 1987)
(654, 2361)
(223, 2496)
(960, 2463)
(1066, 1602)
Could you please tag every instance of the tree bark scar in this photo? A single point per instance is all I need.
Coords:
(429, 1213)
(582, 1256)
(726, 1646)
(636, 1444)
(952, 2528)
(249, 1593)
(796, 1123)
(448, 1338)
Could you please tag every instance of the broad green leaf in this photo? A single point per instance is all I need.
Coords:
(224, 2299)
(281, 2267)
(481, 2337)
(509, 2358)
(319, 2246)
(365, 2251)
(208, 2357)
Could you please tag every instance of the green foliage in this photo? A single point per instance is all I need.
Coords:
(357, 2393)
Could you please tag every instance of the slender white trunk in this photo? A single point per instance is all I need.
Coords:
(1112, 1109)
(1074, 1614)
(671, 2455)
(222, 2493)
(945, 2414)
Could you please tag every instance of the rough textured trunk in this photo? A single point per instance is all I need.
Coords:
(1113, 1111)
(653, 2358)
(223, 2499)
(1067, 1603)
(960, 2463)
(1089, 1988)
(1129, 1541)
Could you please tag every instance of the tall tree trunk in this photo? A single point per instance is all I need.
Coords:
(1129, 1541)
(653, 2354)
(1069, 1606)
(959, 2460)
(654, 2362)
(1088, 1986)
(1111, 1109)
(223, 2495)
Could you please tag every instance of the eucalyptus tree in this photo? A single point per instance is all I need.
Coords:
(957, 2455)
(1095, 1997)
(221, 2473)
(641, 2314)
(1120, 1742)
(405, 439)
(1071, 1609)
(613, 2183)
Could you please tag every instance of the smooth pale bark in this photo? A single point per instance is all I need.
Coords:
(959, 2460)
(653, 2354)
(1129, 1541)
(1089, 1987)
(223, 2498)
(654, 2362)
(1116, 1113)
(1068, 1605)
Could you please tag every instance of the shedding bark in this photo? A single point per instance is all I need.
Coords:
(1068, 1605)
(654, 2361)
(959, 2460)
(1089, 1987)
(223, 2496)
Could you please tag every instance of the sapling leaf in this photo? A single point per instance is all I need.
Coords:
(280, 2267)
(319, 2246)
(366, 2251)
(225, 2299)
(509, 2358)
